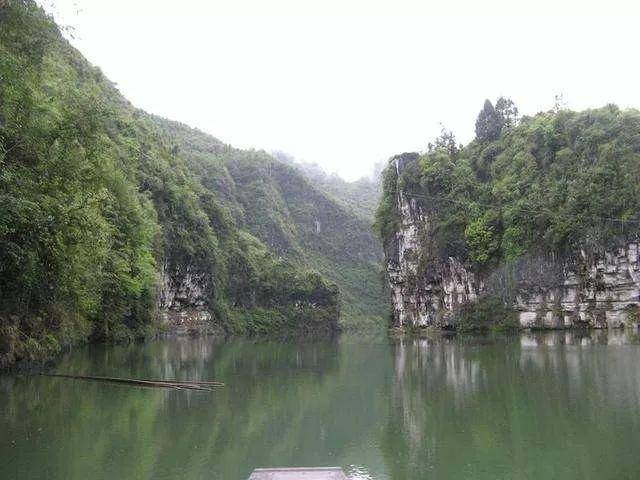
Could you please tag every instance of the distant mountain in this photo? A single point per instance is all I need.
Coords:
(360, 196)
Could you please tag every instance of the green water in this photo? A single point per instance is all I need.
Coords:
(555, 406)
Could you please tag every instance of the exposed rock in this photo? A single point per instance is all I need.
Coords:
(182, 301)
(601, 292)
(596, 290)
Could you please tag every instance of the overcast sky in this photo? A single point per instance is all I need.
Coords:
(348, 83)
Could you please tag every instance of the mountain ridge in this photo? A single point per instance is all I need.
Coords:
(109, 223)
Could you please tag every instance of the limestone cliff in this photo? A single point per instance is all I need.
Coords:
(596, 289)
(182, 300)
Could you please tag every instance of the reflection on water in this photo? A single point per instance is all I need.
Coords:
(560, 405)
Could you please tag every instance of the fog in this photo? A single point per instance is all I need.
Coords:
(346, 84)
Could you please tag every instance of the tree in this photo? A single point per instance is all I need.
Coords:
(508, 110)
(446, 141)
(489, 123)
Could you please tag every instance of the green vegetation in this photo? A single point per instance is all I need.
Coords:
(633, 316)
(488, 313)
(100, 201)
(545, 186)
(299, 214)
(76, 236)
(361, 196)
(552, 182)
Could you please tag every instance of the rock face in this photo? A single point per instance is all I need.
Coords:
(601, 291)
(182, 300)
(595, 290)
(420, 299)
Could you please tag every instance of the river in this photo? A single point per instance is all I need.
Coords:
(533, 406)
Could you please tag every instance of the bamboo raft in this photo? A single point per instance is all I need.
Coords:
(199, 385)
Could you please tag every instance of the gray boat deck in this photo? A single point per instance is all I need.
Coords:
(331, 473)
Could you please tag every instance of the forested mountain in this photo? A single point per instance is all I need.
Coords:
(538, 215)
(297, 215)
(111, 218)
(362, 196)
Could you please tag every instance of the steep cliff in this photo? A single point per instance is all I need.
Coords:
(537, 228)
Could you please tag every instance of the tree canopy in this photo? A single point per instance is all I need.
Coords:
(559, 181)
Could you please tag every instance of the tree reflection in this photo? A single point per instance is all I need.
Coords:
(537, 406)
(532, 406)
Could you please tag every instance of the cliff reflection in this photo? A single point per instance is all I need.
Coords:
(495, 407)
(561, 405)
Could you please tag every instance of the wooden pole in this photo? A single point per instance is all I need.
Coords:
(188, 385)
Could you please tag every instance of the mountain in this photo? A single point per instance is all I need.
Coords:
(361, 196)
(296, 214)
(115, 223)
(533, 224)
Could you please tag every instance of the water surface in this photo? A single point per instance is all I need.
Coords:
(559, 405)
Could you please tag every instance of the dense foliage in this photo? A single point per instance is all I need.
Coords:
(99, 200)
(554, 182)
(304, 216)
(76, 236)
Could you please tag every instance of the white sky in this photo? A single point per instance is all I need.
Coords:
(348, 83)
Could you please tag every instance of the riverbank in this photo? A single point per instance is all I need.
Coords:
(433, 331)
